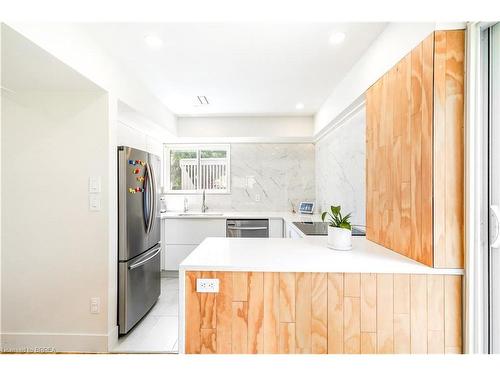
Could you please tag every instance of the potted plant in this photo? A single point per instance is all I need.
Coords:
(339, 229)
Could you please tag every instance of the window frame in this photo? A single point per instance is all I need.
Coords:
(198, 147)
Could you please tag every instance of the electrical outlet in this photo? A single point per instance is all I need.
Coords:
(257, 197)
(95, 305)
(207, 285)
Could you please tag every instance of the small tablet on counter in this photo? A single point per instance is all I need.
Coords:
(306, 207)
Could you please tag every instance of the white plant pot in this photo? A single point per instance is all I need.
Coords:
(339, 238)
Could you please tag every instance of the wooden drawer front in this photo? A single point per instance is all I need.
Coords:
(322, 313)
(193, 231)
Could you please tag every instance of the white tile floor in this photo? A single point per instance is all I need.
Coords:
(157, 332)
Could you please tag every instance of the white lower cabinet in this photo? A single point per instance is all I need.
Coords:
(290, 232)
(163, 245)
(175, 254)
(181, 236)
(193, 231)
(276, 228)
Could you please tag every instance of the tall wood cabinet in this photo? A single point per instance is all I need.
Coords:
(415, 153)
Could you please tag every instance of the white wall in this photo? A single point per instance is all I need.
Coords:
(112, 209)
(340, 168)
(57, 254)
(392, 44)
(73, 47)
(245, 126)
(55, 251)
(1, 127)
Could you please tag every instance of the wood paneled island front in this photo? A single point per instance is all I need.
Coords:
(298, 296)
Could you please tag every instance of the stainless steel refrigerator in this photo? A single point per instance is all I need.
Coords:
(138, 235)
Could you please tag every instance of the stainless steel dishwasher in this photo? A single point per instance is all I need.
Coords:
(247, 228)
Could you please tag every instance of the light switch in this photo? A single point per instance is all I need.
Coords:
(95, 305)
(94, 202)
(94, 184)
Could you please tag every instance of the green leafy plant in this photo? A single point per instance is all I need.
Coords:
(335, 218)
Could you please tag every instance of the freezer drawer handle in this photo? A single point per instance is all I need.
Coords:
(135, 265)
(246, 228)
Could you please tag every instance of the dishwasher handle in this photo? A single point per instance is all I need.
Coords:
(245, 228)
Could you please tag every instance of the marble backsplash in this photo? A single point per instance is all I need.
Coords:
(340, 169)
(264, 177)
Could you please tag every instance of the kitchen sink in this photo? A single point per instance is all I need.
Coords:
(211, 214)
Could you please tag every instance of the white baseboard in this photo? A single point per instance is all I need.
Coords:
(27, 342)
(112, 338)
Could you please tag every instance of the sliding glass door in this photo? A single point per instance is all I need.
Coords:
(493, 115)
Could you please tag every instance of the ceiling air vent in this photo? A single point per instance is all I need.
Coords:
(201, 100)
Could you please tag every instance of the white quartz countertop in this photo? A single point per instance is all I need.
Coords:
(309, 254)
(287, 216)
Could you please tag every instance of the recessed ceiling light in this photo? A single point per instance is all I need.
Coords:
(299, 105)
(337, 37)
(153, 41)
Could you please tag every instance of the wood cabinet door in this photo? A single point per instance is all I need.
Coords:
(415, 153)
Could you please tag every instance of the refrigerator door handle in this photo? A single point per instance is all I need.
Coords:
(145, 199)
(150, 197)
(142, 262)
(154, 194)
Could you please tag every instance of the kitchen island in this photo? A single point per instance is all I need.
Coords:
(281, 295)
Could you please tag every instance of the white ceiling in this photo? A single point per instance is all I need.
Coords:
(243, 69)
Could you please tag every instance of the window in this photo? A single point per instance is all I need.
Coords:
(194, 168)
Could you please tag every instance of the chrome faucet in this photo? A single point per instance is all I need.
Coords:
(186, 204)
(203, 204)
